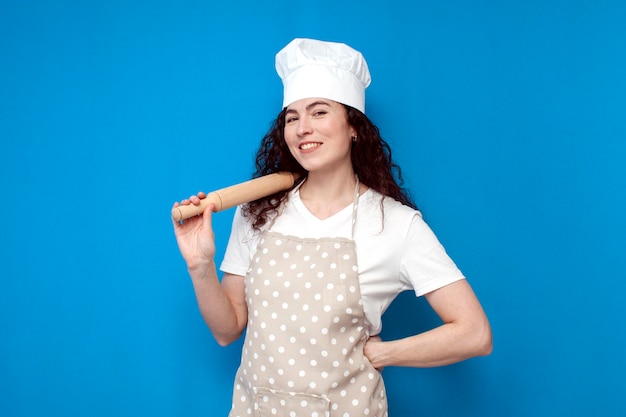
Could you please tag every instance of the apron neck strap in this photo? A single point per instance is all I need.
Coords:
(355, 204)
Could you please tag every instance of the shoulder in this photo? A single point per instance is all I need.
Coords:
(241, 229)
(382, 217)
(377, 204)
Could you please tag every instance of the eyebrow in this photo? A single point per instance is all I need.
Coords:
(310, 106)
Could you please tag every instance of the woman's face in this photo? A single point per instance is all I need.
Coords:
(318, 134)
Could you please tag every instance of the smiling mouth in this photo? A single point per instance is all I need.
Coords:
(310, 145)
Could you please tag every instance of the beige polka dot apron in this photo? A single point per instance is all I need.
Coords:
(303, 351)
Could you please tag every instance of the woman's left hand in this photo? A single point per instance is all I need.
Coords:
(371, 350)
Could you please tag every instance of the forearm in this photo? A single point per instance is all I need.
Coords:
(215, 306)
(444, 345)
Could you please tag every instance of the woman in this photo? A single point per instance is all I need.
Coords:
(309, 272)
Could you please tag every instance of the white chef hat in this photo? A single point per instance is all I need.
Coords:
(312, 68)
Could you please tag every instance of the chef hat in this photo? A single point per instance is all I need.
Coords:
(312, 68)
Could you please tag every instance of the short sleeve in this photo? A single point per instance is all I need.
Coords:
(425, 263)
(239, 250)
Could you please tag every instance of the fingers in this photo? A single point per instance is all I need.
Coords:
(373, 343)
(201, 215)
(194, 199)
(207, 216)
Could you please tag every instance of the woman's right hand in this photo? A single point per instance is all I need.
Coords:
(195, 237)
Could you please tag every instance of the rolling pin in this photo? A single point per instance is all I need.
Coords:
(241, 193)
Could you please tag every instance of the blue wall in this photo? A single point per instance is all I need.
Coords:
(509, 119)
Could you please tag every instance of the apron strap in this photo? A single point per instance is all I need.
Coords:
(355, 205)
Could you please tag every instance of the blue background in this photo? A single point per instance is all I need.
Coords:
(508, 118)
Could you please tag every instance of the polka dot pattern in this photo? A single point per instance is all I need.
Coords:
(303, 352)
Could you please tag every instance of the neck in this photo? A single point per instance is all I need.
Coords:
(327, 194)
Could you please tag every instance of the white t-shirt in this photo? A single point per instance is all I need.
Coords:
(400, 255)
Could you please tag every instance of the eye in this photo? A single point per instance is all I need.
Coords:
(290, 119)
(318, 113)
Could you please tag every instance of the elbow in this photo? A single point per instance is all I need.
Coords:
(484, 341)
(223, 343)
(225, 340)
(485, 348)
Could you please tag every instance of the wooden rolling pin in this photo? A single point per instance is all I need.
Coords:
(241, 193)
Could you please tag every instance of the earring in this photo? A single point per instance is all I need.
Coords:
(354, 138)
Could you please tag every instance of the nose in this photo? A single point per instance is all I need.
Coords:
(304, 127)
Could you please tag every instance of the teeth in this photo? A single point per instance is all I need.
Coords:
(309, 146)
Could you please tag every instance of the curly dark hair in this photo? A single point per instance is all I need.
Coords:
(371, 161)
